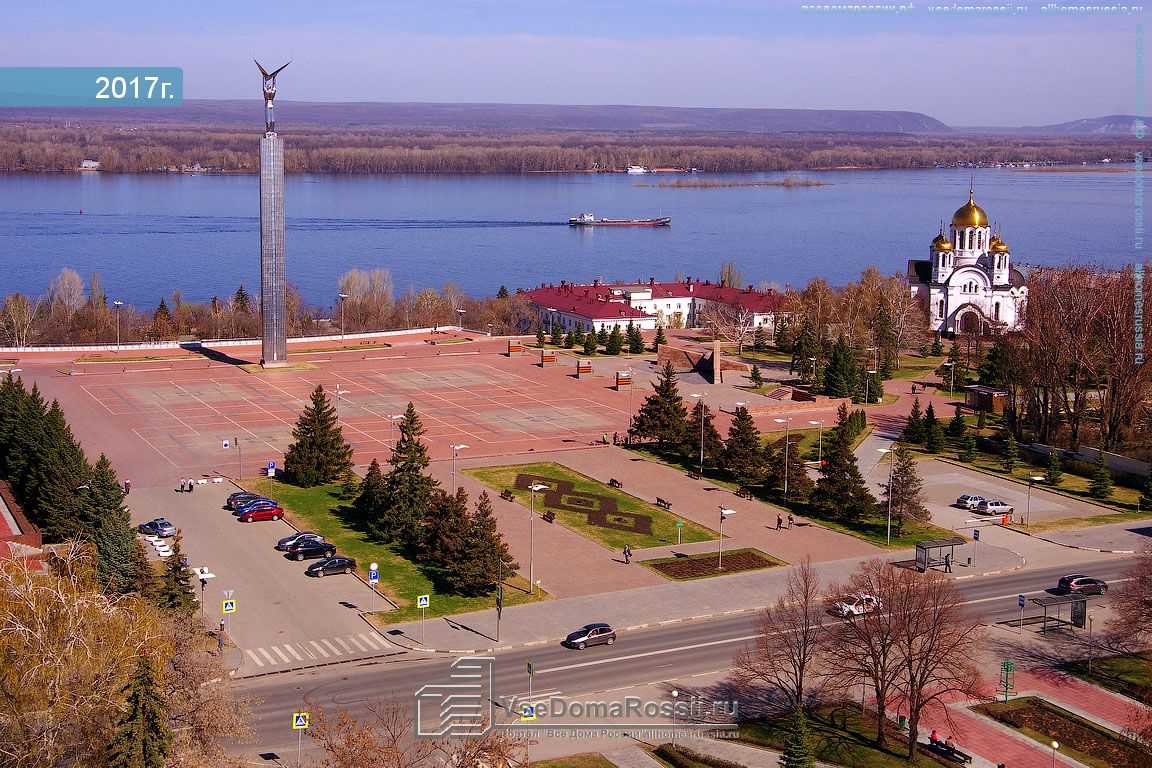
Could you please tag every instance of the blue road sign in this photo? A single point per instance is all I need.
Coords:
(1020, 601)
(373, 576)
(976, 535)
(423, 601)
(271, 465)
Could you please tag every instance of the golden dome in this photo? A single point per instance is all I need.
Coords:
(996, 245)
(969, 215)
(941, 243)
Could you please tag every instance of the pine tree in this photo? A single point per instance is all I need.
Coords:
(743, 455)
(569, 342)
(713, 445)
(602, 335)
(12, 396)
(760, 339)
(445, 528)
(370, 503)
(659, 339)
(541, 339)
(635, 339)
(1146, 495)
(1054, 474)
(487, 559)
(755, 377)
(968, 448)
(142, 738)
(937, 346)
(502, 293)
(957, 426)
(933, 431)
(904, 493)
(1101, 485)
(1011, 453)
(590, 343)
(318, 453)
(840, 376)
(48, 486)
(241, 301)
(914, 427)
(783, 336)
(662, 417)
(578, 337)
(557, 335)
(408, 490)
(841, 492)
(806, 346)
(119, 559)
(798, 749)
(615, 343)
(174, 591)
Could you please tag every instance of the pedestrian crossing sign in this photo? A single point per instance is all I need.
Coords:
(422, 601)
(299, 721)
(228, 606)
(527, 712)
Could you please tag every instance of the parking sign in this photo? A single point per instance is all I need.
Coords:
(422, 601)
(271, 466)
(373, 576)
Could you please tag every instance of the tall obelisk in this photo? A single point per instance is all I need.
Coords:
(274, 346)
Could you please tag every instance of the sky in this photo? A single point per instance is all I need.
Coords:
(992, 65)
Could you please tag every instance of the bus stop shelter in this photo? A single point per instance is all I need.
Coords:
(931, 552)
(1053, 606)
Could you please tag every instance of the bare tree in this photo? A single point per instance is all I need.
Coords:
(729, 322)
(17, 319)
(786, 653)
(1132, 605)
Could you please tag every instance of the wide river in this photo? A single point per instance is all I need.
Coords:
(150, 235)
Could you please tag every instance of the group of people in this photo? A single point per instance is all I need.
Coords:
(947, 744)
(187, 485)
(780, 522)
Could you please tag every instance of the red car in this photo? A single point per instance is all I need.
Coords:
(256, 515)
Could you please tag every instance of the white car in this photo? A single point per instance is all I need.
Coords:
(994, 507)
(969, 501)
(856, 605)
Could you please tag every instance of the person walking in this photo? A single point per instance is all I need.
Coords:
(779, 522)
(127, 487)
(791, 521)
(627, 555)
(183, 484)
(191, 485)
(948, 563)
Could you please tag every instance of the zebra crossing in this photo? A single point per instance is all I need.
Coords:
(313, 651)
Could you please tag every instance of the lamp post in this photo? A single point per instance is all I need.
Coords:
(392, 419)
(952, 379)
(819, 442)
(338, 393)
(1032, 480)
(343, 298)
(724, 514)
(489, 329)
(455, 452)
(813, 361)
(675, 697)
(700, 399)
(460, 318)
(1055, 746)
(1091, 647)
(890, 465)
(117, 304)
(531, 527)
(787, 441)
(867, 385)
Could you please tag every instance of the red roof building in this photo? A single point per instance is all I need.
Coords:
(18, 537)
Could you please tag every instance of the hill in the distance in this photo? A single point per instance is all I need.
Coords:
(1109, 125)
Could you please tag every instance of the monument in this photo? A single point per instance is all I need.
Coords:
(274, 339)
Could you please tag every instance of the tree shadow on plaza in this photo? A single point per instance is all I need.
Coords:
(216, 356)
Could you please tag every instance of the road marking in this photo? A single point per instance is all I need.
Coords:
(336, 651)
(352, 639)
(268, 656)
(320, 649)
(292, 651)
(283, 656)
(254, 658)
(677, 649)
(369, 642)
(344, 645)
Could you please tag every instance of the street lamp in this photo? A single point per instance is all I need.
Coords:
(952, 380)
(392, 419)
(531, 528)
(455, 451)
(675, 696)
(867, 384)
(460, 318)
(343, 297)
(724, 514)
(787, 441)
(489, 329)
(813, 361)
(1055, 746)
(700, 398)
(117, 304)
(338, 393)
(890, 494)
(819, 442)
(1032, 480)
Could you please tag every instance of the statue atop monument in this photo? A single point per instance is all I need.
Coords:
(269, 95)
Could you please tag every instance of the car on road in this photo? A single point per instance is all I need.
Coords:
(1081, 585)
(158, 527)
(240, 498)
(591, 634)
(308, 549)
(969, 501)
(856, 605)
(255, 504)
(330, 565)
(994, 507)
(257, 515)
(300, 536)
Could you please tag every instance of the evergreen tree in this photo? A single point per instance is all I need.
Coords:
(318, 453)
(578, 337)
(569, 342)
(502, 293)
(175, 589)
(841, 492)
(615, 343)
(760, 339)
(996, 367)
(56, 468)
(662, 417)
(798, 749)
(904, 493)
(541, 339)
(713, 445)
(937, 345)
(373, 498)
(957, 426)
(1054, 474)
(557, 335)
(870, 387)
(1011, 453)
(755, 377)
(1101, 485)
(635, 339)
(840, 377)
(914, 427)
(142, 738)
(602, 335)
(968, 448)
(445, 529)
(659, 339)
(981, 419)
(408, 490)
(12, 396)
(783, 336)
(933, 431)
(806, 346)
(590, 343)
(1146, 495)
(743, 456)
(790, 462)
(487, 559)
(120, 563)
(241, 301)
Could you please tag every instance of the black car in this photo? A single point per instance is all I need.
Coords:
(297, 538)
(1082, 585)
(309, 549)
(591, 634)
(331, 565)
(240, 498)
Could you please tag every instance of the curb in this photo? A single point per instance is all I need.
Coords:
(1072, 546)
(270, 673)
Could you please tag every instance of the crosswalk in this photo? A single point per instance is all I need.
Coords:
(314, 651)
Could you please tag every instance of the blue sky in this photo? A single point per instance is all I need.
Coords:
(1028, 67)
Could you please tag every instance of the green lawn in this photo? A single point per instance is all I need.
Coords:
(771, 356)
(588, 760)
(346, 347)
(916, 367)
(319, 509)
(1127, 675)
(839, 738)
(663, 523)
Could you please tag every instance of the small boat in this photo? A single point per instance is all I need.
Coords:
(636, 170)
(588, 220)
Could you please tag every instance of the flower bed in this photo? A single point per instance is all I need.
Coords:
(704, 565)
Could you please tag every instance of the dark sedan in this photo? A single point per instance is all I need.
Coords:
(1081, 585)
(308, 549)
(331, 565)
(255, 505)
(297, 538)
(240, 498)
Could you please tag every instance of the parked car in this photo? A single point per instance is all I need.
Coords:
(255, 504)
(241, 497)
(257, 515)
(969, 501)
(856, 605)
(309, 549)
(1081, 585)
(300, 536)
(158, 527)
(994, 507)
(591, 634)
(330, 565)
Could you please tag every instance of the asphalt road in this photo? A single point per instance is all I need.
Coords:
(643, 657)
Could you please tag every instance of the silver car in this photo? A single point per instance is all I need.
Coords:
(994, 507)
(969, 501)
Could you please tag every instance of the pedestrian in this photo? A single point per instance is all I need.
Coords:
(779, 522)
(183, 485)
(949, 744)
(221, 627)
(191, 485)
(790, 521)
(127, 487)
(615, 438)
(947, 563)
(627, 555)
(605, 438)
(933, 738)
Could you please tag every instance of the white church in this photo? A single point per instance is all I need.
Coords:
(969, 284)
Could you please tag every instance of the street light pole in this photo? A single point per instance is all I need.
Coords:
(1032, 480)
(867, 385)
(117, 304)
(460, 318)
(819, 442)
(531, 528)
(343, 297)
(392, 427)
(700, 399)
(952, 378)
(455, 450)
(890, 494)
(724, 513)
(787, 442)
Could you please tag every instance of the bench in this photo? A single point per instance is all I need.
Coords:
(663, 503)
(693, 476)
(507, 495)
(549, 516)
(743, 492)
(615, 483)
(953, 754)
